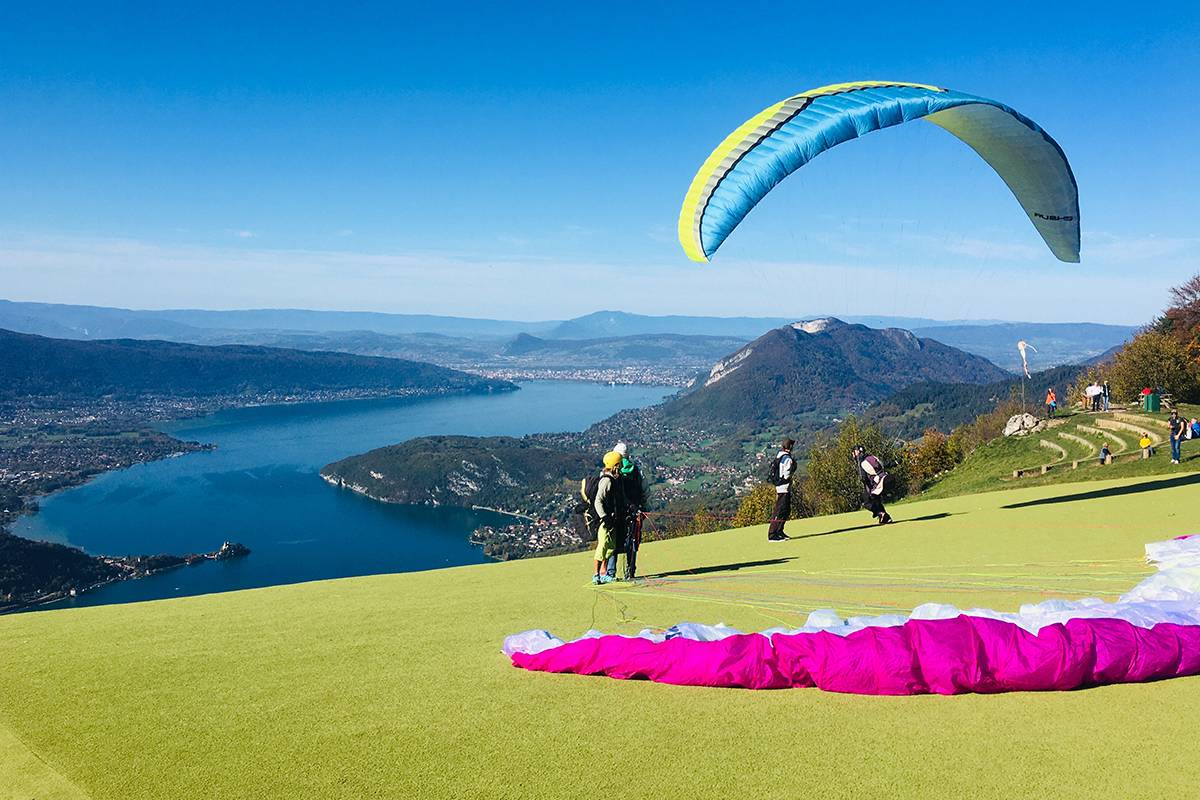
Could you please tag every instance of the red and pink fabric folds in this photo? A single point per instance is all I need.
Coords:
(1152, 632)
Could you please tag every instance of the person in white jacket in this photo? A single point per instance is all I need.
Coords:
(781, 475)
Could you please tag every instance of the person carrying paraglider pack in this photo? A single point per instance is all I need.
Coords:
(603, 512)
(633, 498)
(781, 475)
(874, 479)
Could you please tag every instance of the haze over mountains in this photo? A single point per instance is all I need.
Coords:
(492, 345)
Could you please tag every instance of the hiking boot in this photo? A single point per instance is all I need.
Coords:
(595, 580)
(884, 519)
(777, 538)
(604, 579)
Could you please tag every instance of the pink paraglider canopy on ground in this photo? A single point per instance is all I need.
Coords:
(1152, 632)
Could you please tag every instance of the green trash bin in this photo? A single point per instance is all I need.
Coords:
(1152, 402)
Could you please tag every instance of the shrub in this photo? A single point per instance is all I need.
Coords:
(759, 502)
(832, 485)
(929, 457)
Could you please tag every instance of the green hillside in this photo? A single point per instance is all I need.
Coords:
(493, 471)
(1069, 450)
(945, 406)
(394, 686)
(129, 368)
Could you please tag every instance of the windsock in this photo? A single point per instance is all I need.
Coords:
(1021, 345)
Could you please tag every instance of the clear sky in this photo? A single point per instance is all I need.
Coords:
(528, 161)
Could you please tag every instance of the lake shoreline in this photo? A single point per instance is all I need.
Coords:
(262, 485)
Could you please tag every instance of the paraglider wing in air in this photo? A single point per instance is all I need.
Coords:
(781, 139)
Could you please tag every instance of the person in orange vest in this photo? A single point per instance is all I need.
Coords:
(1051, 402)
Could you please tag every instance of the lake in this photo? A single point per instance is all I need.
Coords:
(261, 487)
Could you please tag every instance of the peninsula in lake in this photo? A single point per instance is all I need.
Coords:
(71, 409)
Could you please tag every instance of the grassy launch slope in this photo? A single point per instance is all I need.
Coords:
(393, 686)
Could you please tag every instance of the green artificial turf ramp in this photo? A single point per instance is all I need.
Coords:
(394, 687)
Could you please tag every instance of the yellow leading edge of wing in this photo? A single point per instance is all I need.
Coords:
(689, 232)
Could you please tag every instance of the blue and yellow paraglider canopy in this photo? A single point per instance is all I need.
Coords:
(775, 143)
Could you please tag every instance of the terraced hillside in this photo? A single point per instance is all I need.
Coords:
(394, 686)
(1068, 450)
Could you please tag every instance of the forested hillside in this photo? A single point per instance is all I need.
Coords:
(36, 365)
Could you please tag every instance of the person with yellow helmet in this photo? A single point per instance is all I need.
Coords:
(606, 506)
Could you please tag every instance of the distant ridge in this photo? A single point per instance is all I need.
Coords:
(37, 365)
(469, 341)
(98, 322)
(1056, 342)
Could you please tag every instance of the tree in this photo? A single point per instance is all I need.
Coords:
(929, 457)
(759, 502)
(756, 505)
(832, 485)
(1155, 360)
(1182, 319)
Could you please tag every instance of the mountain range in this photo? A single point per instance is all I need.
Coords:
(483, 344)
(37, 365)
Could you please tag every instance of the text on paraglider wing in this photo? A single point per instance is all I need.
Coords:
(1053, 217)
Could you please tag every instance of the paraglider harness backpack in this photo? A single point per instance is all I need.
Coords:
(880, 478)
(776, 477)
(588, 488)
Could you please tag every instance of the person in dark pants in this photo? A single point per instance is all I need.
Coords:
(873, 477)
(633, 494)
(781, 475)
(1178, 429)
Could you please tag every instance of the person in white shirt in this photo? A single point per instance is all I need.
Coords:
(781, 475)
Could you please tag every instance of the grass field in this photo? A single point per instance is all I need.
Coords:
(394, 686)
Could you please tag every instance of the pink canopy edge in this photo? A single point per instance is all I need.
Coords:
(922, 656)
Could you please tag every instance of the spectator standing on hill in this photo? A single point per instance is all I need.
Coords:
(633, 497)
(607, 506)
(873, 477)
(1106, 396)
(782, 470)
(1051, 402)
(1177, 428)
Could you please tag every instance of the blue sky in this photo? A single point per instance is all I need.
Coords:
(530, 163)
